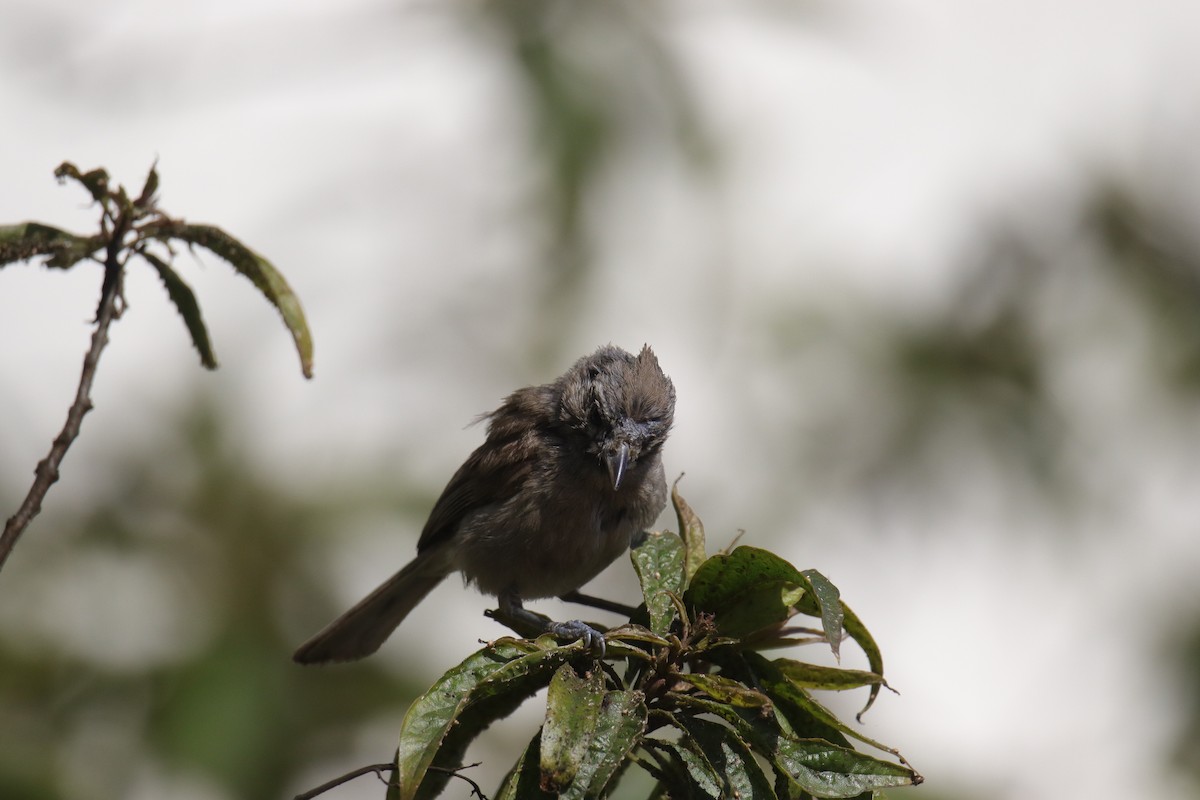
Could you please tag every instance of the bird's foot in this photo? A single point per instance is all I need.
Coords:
(593, 640)
(530, 623)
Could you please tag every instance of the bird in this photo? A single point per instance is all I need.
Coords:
(570, 472)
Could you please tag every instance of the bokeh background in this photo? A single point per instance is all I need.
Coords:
(926, 276)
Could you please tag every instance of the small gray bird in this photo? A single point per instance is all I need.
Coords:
(570, 472)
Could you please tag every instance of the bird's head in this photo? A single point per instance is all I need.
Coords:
(621, 405)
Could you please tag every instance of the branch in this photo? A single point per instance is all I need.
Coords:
(126, 228)
(598, 602)
(378, 769)
(46, 473)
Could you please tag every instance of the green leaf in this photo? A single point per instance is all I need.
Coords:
(658, 561)
(805, 715)
(634, 641)
(249, 263)
(829, 606)
(185, 302)
(815, 766)
(828, 770)
(571, 707)
(632, 632)
(730, 758)
(859, 633)
(802, 700)
(149, 188)
(746, 590)
(393, 788)
(523, 782)
(95, 181)
(618, 726)
(492, 682)
(688, 770)
(691, 530)
(726, 690)
(814, 676)
(792, 715)
(751, 589)
(32, 239)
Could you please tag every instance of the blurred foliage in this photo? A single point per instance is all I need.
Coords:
(1184, 657)
(985, 372)
(980, 358)
(225, 704)
(599, 84)
(1157, 259)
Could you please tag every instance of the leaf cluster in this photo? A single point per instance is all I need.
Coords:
(131, 227)
(685, 692)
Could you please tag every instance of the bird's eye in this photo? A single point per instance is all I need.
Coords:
(654, 427)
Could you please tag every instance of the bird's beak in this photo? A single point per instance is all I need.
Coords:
(617, 462)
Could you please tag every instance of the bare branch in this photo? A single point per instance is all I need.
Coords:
(46, 473)
(378, 769)
(456, 772)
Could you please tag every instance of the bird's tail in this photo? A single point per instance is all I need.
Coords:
(361, 630)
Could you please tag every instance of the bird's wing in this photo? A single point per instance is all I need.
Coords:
(491, 475)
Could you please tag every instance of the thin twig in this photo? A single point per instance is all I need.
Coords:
(378, 769)
(598, 602)
(456, 772)
(46, 473)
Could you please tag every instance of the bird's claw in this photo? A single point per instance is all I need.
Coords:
(593, 640)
